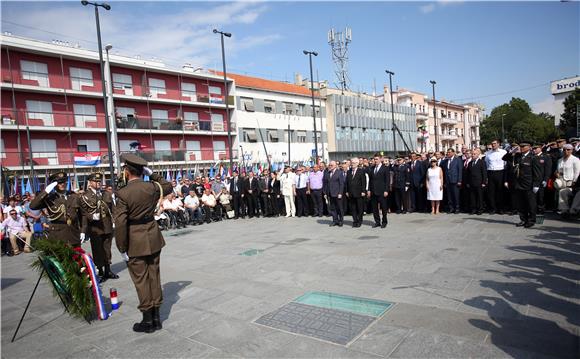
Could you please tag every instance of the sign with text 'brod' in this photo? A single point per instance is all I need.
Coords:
(565, 85)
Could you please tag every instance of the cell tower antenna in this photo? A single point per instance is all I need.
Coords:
(339, 41)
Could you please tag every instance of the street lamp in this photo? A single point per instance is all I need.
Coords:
(310, 53)
(435, 117)
(226, 34)
(503, 130)
(107, 126)
(391, 74)
(110, 103)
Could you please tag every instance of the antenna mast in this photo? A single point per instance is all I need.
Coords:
(339, 41)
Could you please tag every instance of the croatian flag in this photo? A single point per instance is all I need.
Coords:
(87, 158)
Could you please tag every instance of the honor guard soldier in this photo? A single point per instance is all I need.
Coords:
(138, 237)
(63, 210)
(97, 224)
(528, 179)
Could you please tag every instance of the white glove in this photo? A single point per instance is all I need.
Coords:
(406, 188)
(50, 187)
(125, 256)
(544, 183)
(83, 237)
(147, 171)
(535, 189)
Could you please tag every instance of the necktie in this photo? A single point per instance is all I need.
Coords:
(354, 173)
(474, 163)
(299, 178)
(376, 169)
(413, 166)
(449, 163)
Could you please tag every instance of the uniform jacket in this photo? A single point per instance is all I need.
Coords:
(546, 164)
(356, 186)
(100, 203)
(136, 231)
(402, 176)
(379, 182)
(527, 170)
(64, 214)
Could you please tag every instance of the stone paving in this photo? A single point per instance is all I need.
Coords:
(463, 286)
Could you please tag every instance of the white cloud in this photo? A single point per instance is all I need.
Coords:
(425, 9)
(547, 105)
(182, 36)
(432, 6)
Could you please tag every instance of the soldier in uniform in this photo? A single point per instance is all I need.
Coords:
(97, 224)
(138, 237)
(545, 163)
(63, 210)
(528, 179)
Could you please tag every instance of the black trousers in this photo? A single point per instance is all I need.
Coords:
(357, 209)
(265, 204)
(495, 190)
(453, 196)
(238, 205)
(476, 199)
(301, 202)
(336, 209)
(540, 196)
(418, 198)
(527, 205)
(252, 204)
(381, 201)
(400, 199)
(317, 204)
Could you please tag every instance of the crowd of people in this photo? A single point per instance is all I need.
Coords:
(528, 179)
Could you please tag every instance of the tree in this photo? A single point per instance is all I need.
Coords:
(519, 124)
(569, 124)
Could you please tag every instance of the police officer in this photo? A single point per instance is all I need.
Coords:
(528, 179)
(63, 210)
(97, 224)
(545, 163)
(138, 237)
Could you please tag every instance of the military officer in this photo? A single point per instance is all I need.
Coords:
(138, 237)
(545, 163)
(63, 210)
(528, 179)
(97, 224)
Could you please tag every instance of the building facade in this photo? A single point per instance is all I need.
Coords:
(52, 108)
(276, 117)
(561, 89)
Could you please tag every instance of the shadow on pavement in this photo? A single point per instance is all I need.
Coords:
(171, 296)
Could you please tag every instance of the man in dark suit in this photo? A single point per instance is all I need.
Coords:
(401, 182)
(251, 191)
(236, 188)
(546, 166)
(335, 189)
(476, 181)
(418, 173)
(453, 172)
(356, 191)
(379, 190)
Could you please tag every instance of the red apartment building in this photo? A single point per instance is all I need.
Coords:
(52, 107)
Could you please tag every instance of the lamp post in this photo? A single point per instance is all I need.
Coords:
(435, 117)
(107, 126)
(110, 103)
(503, 130)
(391, 74)
(226, 34)
(310, 53)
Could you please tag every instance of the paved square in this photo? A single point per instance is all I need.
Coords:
(464, 286)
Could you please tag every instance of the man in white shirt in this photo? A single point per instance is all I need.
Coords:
(191, 203)
(301, 184)
(495, 176)
(12, 206)
(15, 225)
(288, 189)
(209, 204)
(568, 171)
(174, 209)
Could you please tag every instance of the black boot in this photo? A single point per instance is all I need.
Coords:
(102, 275)
(109, 273)
(156, 319)
(146, 325)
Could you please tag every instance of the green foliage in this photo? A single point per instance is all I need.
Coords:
(569, 123)
(519, 123)
(77, 294)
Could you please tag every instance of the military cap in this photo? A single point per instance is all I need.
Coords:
(525, 143)
(560, 140)
(552, 144)
(537, 145)
(574, 139)
(96, 176)
(133, 160)
(59, 177)
(514, 144)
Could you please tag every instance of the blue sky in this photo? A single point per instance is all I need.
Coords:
(474, 50)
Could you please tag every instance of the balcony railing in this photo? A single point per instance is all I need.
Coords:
(448, 121)
(55, 81)
(12, 158)
(448, 137)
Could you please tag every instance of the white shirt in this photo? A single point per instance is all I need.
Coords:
(172, 205)
(301, 181)
(208, 199)
(569, 168)
(191, 202)
(493, 160)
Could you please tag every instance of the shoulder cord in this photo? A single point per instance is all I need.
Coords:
(58, 212)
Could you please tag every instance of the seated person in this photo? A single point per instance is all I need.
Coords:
(209, 205)
(16, 225)
(173, 207)
(191, 203)
(224, 199)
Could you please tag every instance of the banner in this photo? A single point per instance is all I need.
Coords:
(87, 158)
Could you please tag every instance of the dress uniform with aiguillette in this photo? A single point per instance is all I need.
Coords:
(97, 224)
(63, 209)
(139, 239)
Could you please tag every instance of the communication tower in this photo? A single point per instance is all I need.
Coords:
(339, 41)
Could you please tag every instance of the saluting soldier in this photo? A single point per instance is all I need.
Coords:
(545, 163)
(97, 224)
(138, 237)
(528, 179)
(63, 210)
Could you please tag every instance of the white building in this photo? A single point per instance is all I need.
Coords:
(272, 114)
(562, 89)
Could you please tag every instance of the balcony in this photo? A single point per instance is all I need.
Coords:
(448, 137)
(53, 83)
(447, 121)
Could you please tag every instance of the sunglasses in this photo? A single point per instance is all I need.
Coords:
(12, 213)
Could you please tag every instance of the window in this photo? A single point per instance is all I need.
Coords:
(35, 71)
(191, 121)
(346, 109)
(125, 145)
(193, 149)
(44, 149)
(301, 109)
(219, 150)
(248, 104)
(156, 87)
(301, 136)
(288, 135)
(125, 111)
(189, 90)
(317, 110)
(287, 108)
(269, 106)
(2, 149)
(162, 145)
(80, 78)
(85, 115)
(160, 114)
(88, 146)
(272, 135)
(40, 110)
(217, 122)
(215, 94)
(214, 90)
(122, 82)
(249, 135)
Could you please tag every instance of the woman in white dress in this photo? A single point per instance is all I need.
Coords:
(434, 185)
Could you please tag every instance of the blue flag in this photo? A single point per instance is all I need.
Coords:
(68, 183)
(23, 188)
(28, 186)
